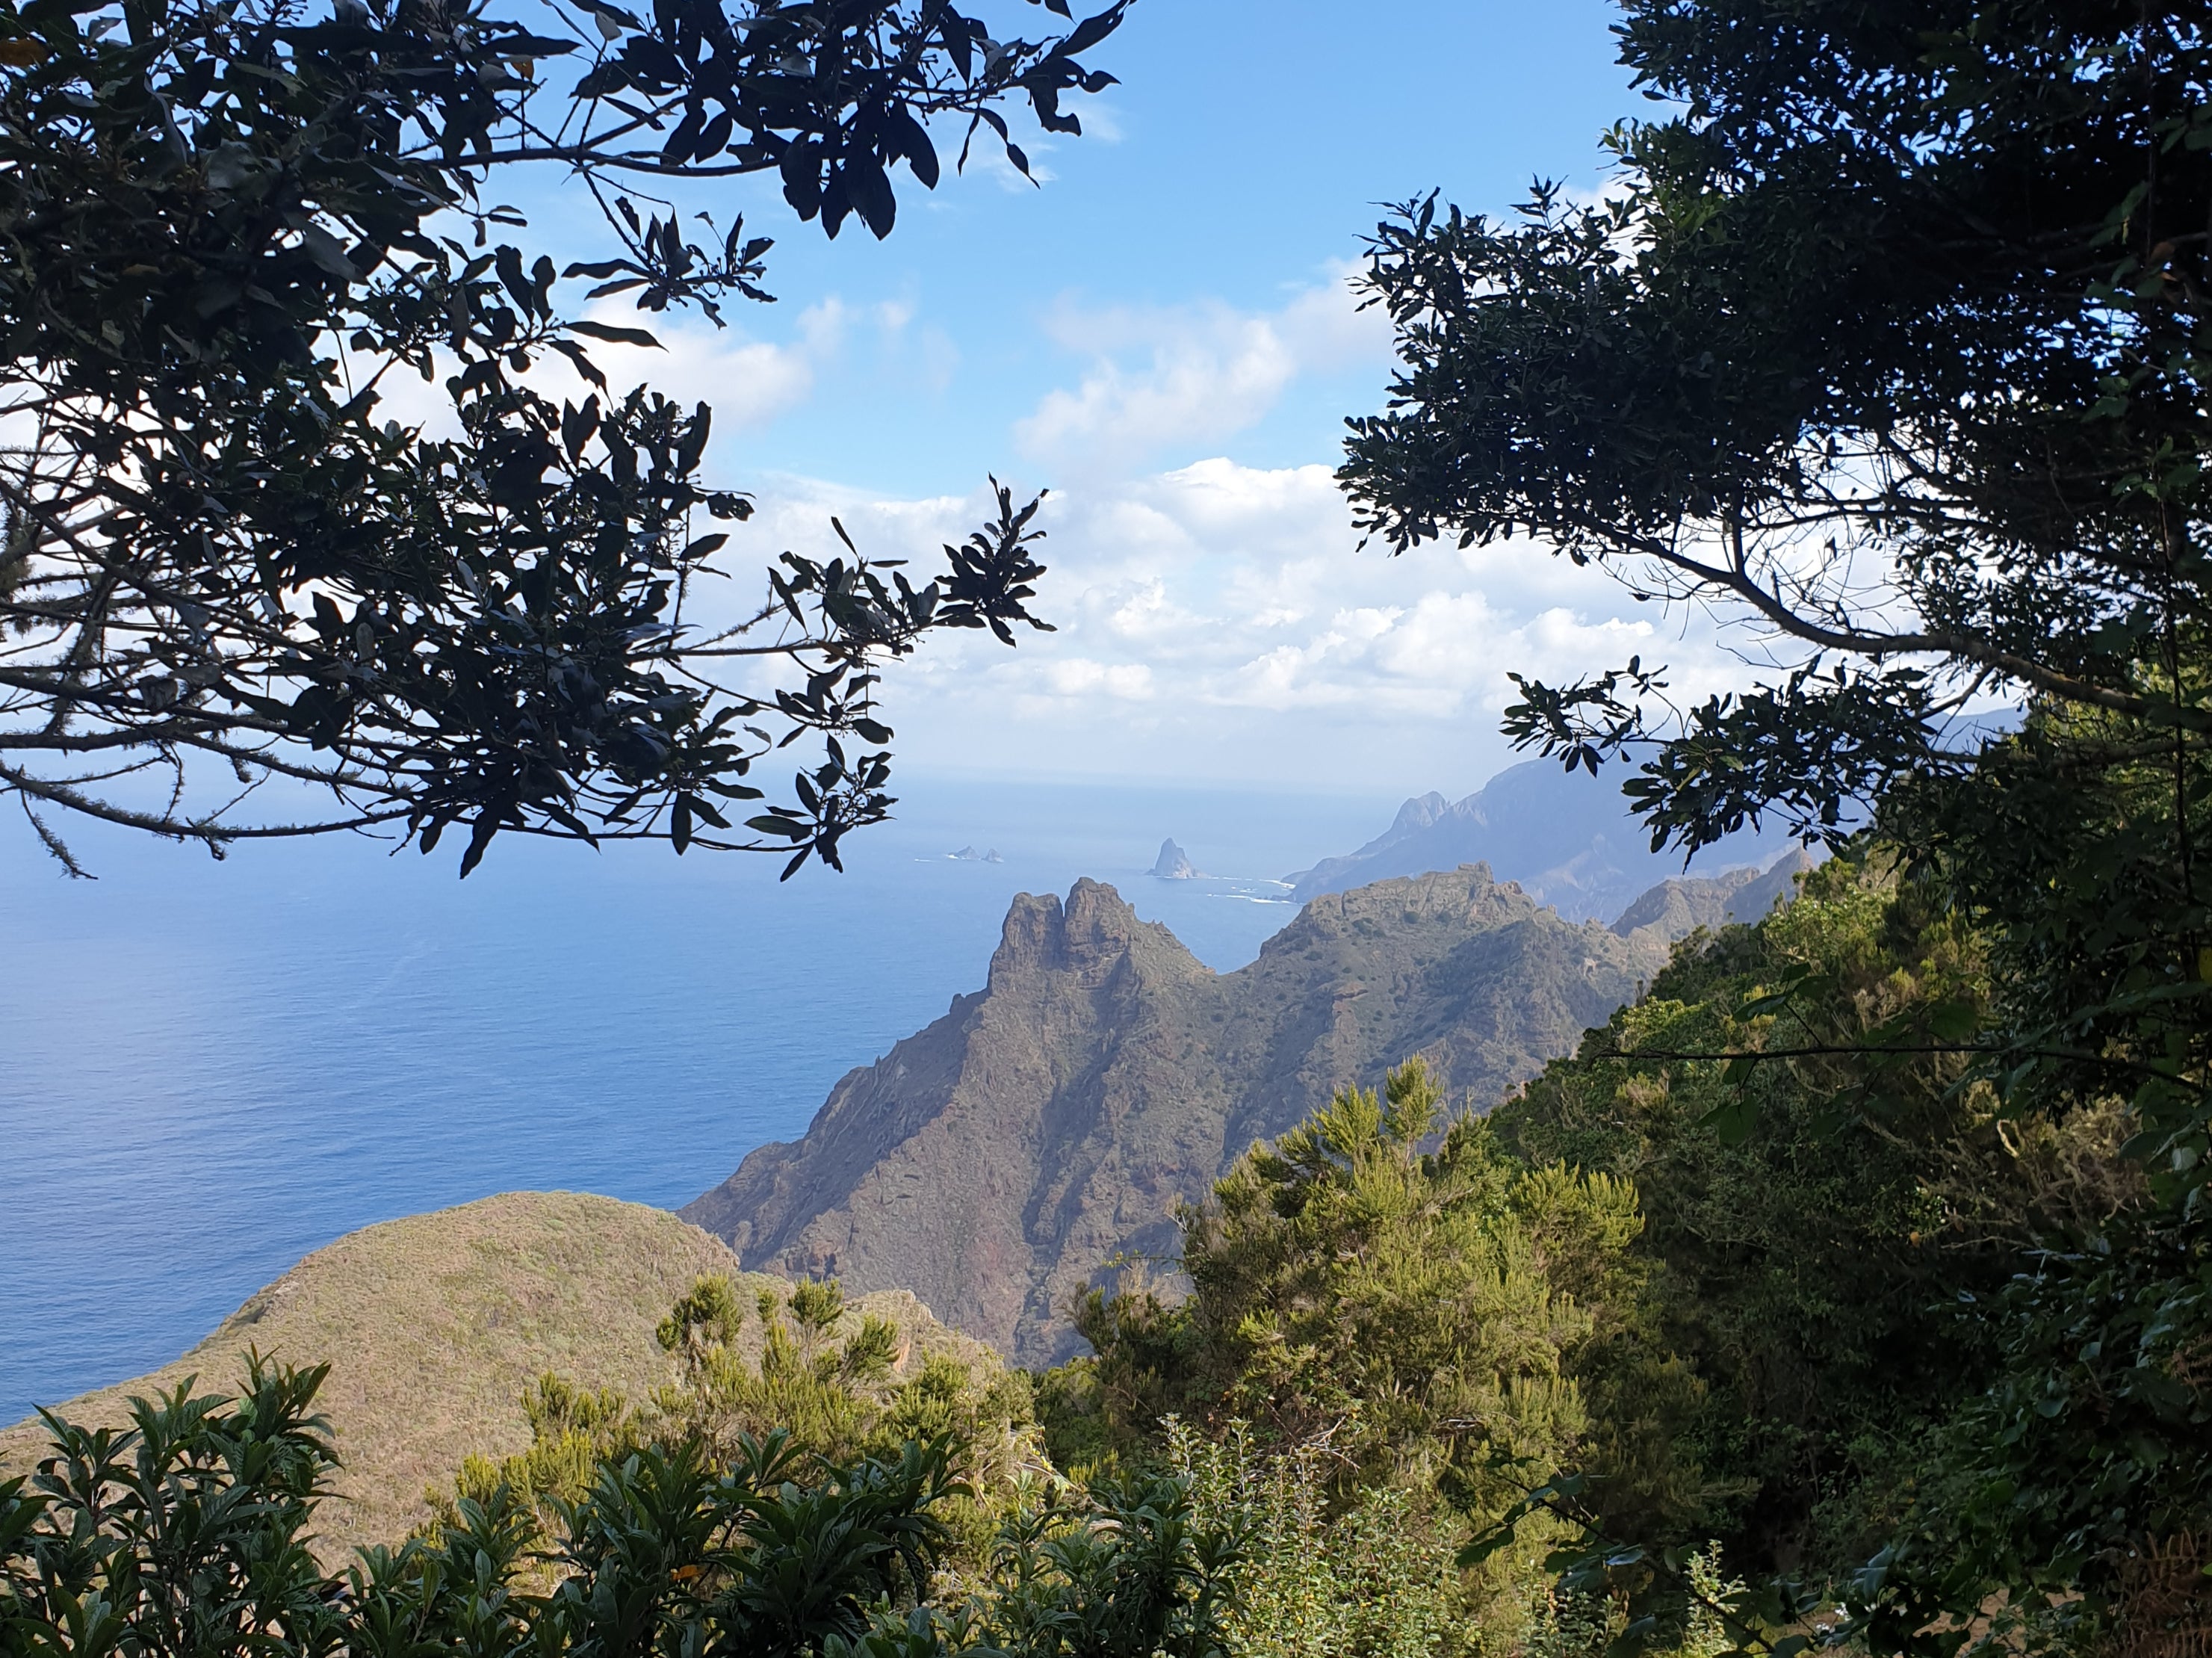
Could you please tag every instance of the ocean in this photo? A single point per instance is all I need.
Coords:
(208, 1070)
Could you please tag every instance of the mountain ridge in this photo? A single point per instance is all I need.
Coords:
(994, 1161)
(1567, 839)
(433, 1325)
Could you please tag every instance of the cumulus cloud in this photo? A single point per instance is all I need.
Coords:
(747, 381)
(1161, 378)
(1215, 620)
(1220, 622)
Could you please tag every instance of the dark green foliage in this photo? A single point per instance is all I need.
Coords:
(664, 1552)
(2094, 1438)
(1420, 1318)
(1916, 281)
(1132, 1571)
(184, 1533)
(1938, 1333)
(228, 229)
(1806, 1255)
(1893, 341)
(1375, 1579)
(187, 1535)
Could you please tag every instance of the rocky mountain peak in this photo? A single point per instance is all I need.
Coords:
(1418, 813)
(1567, 836)
(1089, 934)
(995, 1162)
(1173, 863)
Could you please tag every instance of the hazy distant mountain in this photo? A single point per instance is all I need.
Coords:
(1675, 909)
(994, 1162)
(1567, 839)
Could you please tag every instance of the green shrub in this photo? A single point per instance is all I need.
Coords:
(824, 1380)
(187, 1534)
(1374, 1580)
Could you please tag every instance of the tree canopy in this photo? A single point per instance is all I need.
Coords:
(228, 576)
(1890, 334)
(1887, 343)
(1891, 345)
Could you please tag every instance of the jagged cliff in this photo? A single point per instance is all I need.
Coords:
(994, 1161)
(1677, 908)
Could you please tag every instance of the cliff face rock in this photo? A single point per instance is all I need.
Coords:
(996, 1160)
(1173, 863)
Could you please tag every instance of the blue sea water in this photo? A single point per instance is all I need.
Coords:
(208, 1070)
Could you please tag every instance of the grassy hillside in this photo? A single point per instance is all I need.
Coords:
(435, 1324)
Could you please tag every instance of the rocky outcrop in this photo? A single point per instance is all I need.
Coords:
(1173, 863)
(994, 1163)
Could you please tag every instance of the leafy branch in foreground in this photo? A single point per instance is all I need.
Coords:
(233, 588)
(187, 1533)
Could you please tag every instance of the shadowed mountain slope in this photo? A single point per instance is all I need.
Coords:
(995, 1162)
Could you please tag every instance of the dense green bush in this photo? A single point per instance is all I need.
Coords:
(1810, 1218)
(189, 1532)
(823, 1378)
(1835, 1216)
(1375, 1579)
(1395, 1331)
(1418, 1311)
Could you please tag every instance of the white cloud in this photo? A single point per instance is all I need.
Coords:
(1219, 621)
(1163, 378)
(1080, 676)
(748, 383)
(1215, 620)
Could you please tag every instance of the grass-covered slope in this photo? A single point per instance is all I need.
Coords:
(433, 1327)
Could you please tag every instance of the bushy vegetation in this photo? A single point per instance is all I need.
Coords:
(1375, 1576)
(1754, 1316)
(823, 1379)
(1383, 1319)
(189, 1532)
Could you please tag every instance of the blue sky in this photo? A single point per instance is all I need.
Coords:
(1238, 162)
(1162, 335)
